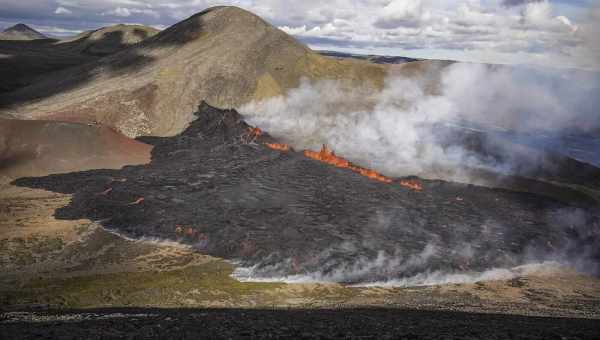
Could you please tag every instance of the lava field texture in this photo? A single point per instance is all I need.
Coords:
(219, 187)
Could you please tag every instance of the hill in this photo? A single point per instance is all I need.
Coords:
(224, 55)
(21, 32)
(27, 60)
(108, 40)
(36, 148)
(377, 59)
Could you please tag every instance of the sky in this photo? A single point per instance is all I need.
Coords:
(559, 33)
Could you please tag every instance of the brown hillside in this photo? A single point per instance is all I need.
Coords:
(224, 55)
(37, 148)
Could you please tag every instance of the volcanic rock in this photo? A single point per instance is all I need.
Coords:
(283, 214)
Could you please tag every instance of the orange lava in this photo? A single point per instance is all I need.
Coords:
(329, 157)
(254, 132)
(138, 201)
(371, 174)
(105, 192)
(279, 147)
(412, 184)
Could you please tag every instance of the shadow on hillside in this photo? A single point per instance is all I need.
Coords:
(353, 323)
(40, 69)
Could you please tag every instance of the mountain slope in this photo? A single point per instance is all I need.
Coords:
(108, 40)
(21, 32)
(36, 148)
(224, 55)
(25, 61)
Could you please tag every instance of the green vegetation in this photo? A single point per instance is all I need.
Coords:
(208, 284)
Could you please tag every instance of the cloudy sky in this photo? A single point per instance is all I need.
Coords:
(562, 33)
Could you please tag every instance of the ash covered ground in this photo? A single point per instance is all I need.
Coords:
(282, 215)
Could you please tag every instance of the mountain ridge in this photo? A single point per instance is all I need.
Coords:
(224, 55)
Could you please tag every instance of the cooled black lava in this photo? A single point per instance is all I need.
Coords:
(232, 197)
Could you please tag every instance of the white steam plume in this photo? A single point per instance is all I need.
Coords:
(402, 134)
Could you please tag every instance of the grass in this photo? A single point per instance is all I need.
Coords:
(206, 284)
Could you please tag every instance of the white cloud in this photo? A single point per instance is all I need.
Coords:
(524, 31)
(62, 10)
(127, 12)
(121, 12)
(400, 13)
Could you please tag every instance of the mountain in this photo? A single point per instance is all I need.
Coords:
(32, 58)
(21, 32)
(111, 39)
(377, 59)
(224, 55)
(37, 148)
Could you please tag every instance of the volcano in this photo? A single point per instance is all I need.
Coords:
(219, 187)
(21, 32)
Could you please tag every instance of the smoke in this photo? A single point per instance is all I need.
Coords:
(495, 252)
(427, 125)
(496, 274)
(161, 242)
(442, 124)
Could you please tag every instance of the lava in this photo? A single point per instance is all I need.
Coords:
(411, 184)
(105, 192)
(371, 174)
(254, 132)
(329, 157)
(278, 147)
(252, 135)
(137, 201)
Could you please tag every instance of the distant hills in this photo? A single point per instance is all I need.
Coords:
(111, 39)
(21, 32)
(377, 59)
(34, 58)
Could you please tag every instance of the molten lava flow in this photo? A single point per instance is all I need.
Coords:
(138, 201)
(254, 132)
(411, 184)
(329, 157)
(371, 174)
(251, 136)
(105, 192)
(279, 147)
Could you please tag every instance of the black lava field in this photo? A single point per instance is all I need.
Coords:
(216, 186)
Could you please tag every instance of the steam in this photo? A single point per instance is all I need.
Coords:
(485, 255)
(425, 278)
(161, 242)
(418, 125)
(442, 124)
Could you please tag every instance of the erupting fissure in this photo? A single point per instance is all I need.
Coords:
(328, 156)
(278, 147)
